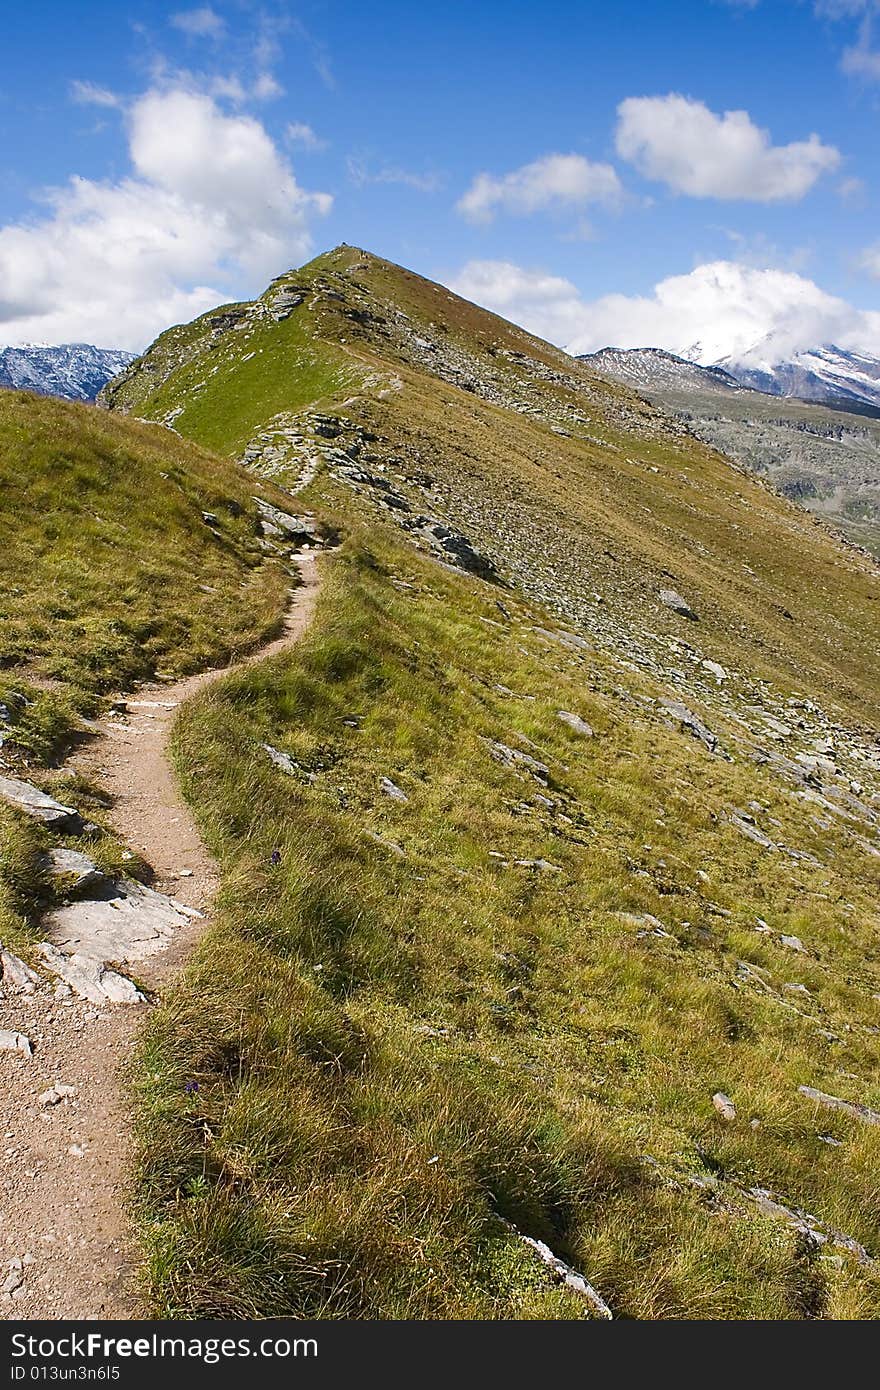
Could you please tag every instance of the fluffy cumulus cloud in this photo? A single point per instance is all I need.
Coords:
(556, 181)
(721, 309)
(548, 305)
(210, 207)
(680, 142)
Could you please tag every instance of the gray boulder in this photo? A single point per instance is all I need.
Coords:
(689, 723)
(12, 1041)
(670, 598)
(39, 805)
(301, 529)
(392, 790)
(575, 723)
(72, 864)
(16, 975)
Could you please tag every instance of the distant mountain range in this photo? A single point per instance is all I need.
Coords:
(76, 371)
(844, 380)
(645, 368)
(828, 375)
(823, 452)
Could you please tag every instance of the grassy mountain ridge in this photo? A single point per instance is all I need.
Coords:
(518, 425)
(556, 861)
(128, 553)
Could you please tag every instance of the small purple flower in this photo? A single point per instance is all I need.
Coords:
(275, 857)
(191, 1087)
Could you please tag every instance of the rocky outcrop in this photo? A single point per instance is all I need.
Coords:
(671, 598)
(37, 804)
(88, 939)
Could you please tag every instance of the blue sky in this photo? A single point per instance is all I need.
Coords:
(558, 162)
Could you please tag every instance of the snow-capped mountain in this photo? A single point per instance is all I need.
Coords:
(76, 371)
(822, 453)
(654, 368)
(828, 374)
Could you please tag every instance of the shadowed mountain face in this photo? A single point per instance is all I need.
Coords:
(551, 857)
(818, 454)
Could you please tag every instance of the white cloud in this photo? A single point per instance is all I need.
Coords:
(852, 191)
(861, 59)
(555, 181)
(843, 9)
(361, 174)
(680, 142)
(301, 134)
(201, 23)
(720, 309)
(869, 260)
(210, 208)
(227, 87)
(545, 304)
(89, 94)
(266, 87)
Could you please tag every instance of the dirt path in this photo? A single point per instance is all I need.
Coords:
(65, 1249)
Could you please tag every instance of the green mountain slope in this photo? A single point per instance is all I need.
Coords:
(569, 885)
(127, 553)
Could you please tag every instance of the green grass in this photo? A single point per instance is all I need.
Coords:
(109, 573)
(109, 576)
(374, 1058)
(22, 881)
(224, 397)
(379, 1058)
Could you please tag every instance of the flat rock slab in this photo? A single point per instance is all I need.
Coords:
(91, 979)
(689, 723)
(671, 598)
(73, 864)
(12, 1041)
(565, 639)
(514, 758)
(389, 788)
(130, 923)
(16, 975)
(39, 805)
(751, 831)
(849, 1107)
